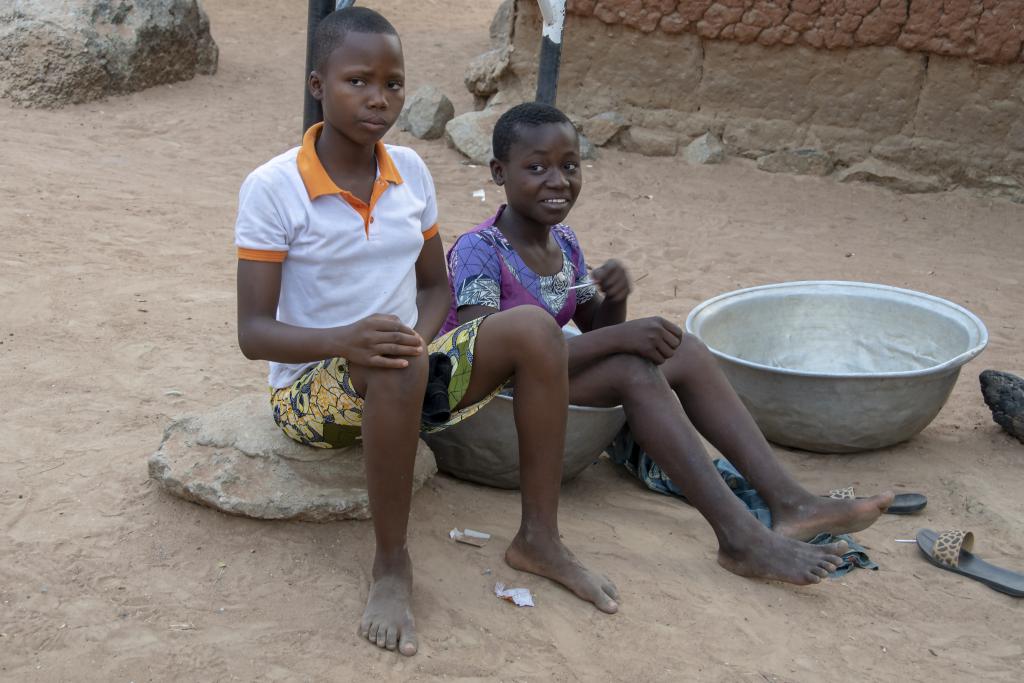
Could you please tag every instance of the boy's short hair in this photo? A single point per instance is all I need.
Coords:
(333, 28)
(528, 115)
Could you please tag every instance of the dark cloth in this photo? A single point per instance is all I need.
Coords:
(436, 410)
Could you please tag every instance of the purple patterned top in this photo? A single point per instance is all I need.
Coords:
(484, 270)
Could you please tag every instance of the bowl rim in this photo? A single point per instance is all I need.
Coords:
(952, 363)
(573, 406)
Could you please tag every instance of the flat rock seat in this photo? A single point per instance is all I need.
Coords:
(235, 459)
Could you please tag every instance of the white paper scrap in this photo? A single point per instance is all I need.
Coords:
(469, 536)
(520, 596)
(481, 194)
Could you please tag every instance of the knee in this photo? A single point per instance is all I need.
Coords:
(632, 372)
(399, 383)
(693, 347)
(534, 332)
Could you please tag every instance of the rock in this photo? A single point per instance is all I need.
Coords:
(603, 127)
(484, 72)
(1004, 395)
(58, 53)
(235, 459)
(426, 113)
(501, 24)
(707, 149)
(797, 161)
(587, 149)
(892, 177)
(652, 143)
(470, 133)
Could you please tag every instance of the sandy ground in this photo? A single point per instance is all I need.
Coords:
(117, 290)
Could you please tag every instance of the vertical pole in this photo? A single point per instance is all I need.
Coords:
(553, 12)
(312, 112)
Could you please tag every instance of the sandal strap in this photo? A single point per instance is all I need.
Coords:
(842, 494)
(949, 544)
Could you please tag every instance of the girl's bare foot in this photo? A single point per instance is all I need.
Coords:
(812, 515)
(387, 620)
(763, 554)
(544, 555)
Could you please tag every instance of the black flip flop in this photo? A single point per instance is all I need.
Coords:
(902, 504)
(952, 550)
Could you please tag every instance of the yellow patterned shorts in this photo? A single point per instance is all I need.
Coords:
(322, 408)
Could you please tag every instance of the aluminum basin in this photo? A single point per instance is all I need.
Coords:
(485, 449)
(839, 367)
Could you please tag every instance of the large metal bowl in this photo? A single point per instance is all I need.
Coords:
(485, 448)
(839, 367)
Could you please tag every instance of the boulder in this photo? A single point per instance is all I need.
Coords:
(235, 459)
(892, 177)
(470, 133)
(1004, 395)
(652, 143)
(587, 149)
(603, 127)
(58, 53)
(426, 113)
(707, 149)
(796, 161)
(485, 71)
(501, 24)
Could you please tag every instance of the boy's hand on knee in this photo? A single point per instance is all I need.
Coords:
(613, 280)
(655, 339)
(379, 341)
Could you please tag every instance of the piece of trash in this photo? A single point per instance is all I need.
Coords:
(481, 194)
(182, 627)
(520, 596)
(849, 254)
(469, 537)
(905, 540)
(222, 565)
(173, 392)
(486, 572)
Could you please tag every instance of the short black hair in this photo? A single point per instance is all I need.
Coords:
(333, 28)
(526, 115)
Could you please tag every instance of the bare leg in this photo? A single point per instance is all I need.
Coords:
(717, 412)
(391, 420)
(661, 427)
(527, 343)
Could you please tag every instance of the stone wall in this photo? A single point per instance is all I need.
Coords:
(933, 86)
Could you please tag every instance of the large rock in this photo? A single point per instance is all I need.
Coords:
(58, 53)
(484, 73)
(601, 129)
(890, 176)
(796, 161)
(470, 133)
(426, 113)
(707, 149)
(651, 143)
(235, 459)
(501, 24)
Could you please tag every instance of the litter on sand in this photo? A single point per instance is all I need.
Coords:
(469, 537)
(481, 194)
(520, 596)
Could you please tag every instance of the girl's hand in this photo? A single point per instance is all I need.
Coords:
(379, 341)
(613, 281)
(655, 339)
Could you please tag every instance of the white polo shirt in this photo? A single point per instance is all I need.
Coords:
(342, 259)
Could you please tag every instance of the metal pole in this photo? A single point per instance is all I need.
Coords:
(553, 12)
(312, 112)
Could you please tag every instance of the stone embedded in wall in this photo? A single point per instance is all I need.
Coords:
(58, 53)
(990, 31)
(796, 161)
(892, 177)
(485, 71)
(707, 149)
(601, 129)
(501, 25)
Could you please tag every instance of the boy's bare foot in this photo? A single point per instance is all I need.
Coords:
(545, 555)
(763, 554)
(387, 620)
(813, 515)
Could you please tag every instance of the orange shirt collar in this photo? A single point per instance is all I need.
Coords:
(315, 178)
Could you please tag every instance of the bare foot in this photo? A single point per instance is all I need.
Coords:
(546, 556)
(763, 554)
(387, 620)
(814, 515)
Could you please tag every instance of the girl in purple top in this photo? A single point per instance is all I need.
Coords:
(525, 255)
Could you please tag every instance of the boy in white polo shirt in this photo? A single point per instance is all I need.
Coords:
(340, 288)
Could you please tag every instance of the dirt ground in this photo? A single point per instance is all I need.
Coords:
(117, 313)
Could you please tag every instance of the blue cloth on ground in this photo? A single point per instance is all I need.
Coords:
(625, 451)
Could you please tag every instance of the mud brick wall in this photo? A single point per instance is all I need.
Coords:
(936, 86)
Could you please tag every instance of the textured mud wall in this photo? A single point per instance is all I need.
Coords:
(990, 31)
(940, 91)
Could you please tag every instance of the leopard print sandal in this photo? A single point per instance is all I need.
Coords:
(951, 550)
